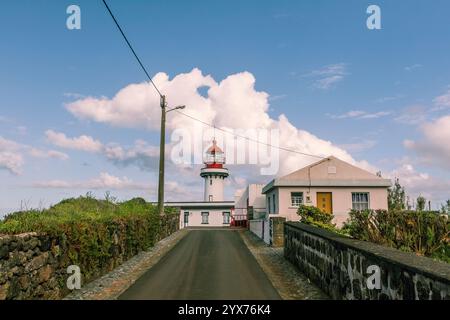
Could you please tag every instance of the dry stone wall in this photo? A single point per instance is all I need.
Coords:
(30, 267)
(34, 266)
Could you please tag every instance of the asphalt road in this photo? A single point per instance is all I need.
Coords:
(205, 264)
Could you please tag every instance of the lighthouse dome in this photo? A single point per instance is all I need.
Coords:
(214, 155)
(214, 173)
(214, 149)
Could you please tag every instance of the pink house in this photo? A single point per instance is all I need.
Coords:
(332, 185)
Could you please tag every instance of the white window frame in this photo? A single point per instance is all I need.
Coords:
(274, 203)
(205, 214)
(226, 214)
(296, 204)
(357, 203)
(186, 218)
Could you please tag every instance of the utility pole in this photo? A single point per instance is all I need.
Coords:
(162, 149)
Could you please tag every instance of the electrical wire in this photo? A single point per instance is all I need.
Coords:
(191, 117)
(131, 48)
(250, 139)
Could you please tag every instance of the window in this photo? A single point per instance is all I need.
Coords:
(273, 202)
(296, 199)
(186, 218)
(205, 217)
(269, 204)
(226, 217)
(360, 200)
(210, 182)
(210, 198)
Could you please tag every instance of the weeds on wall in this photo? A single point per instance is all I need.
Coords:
(424, 232)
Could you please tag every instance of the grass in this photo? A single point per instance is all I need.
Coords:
(77, 210)
(96, 235)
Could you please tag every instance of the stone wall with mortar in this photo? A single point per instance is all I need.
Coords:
(339, 266)
(277, 231)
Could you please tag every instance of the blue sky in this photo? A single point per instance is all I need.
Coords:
(365, 91)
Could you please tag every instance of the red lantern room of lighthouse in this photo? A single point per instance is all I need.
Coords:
(214, 173)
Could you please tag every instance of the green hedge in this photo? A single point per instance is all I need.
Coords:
(96, 235)
(426, 233)
(423, 232)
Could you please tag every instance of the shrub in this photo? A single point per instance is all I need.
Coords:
(96, 235)
(423, 232)
(314, 216)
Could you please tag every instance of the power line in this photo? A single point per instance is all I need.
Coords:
(186, 115)
(250, 139)
(131, 47)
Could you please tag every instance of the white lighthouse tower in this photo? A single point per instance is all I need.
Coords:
(214, 173)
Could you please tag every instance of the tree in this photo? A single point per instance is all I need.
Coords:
(420, 203)
(445, 208)
(396, 196)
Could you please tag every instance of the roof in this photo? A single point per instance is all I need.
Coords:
(214, 149)
(329, 172)
(201, 204)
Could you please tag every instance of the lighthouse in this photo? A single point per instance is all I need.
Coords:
(214, 173)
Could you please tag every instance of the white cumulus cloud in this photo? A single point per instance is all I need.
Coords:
(442, 101)
(421, 183)
(12, 155)
(140, 154)
(434, 148)
(232, 103)
(104, 181)
(107, 181)
(10, 159)
(45, 154)
(83, 143)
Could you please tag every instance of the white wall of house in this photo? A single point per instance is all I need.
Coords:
(341, 200)
(215, 218)
(252, 197)
(272, 202)
(257, 200)
(330, 175)
(240, 202)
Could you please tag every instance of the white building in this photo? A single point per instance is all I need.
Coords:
(204, 214)
(213, 211)
(333, 185)
(251, 203)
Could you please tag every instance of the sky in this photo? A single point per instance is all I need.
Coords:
(77, 114)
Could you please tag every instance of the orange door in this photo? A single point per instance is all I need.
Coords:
(324, 202)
